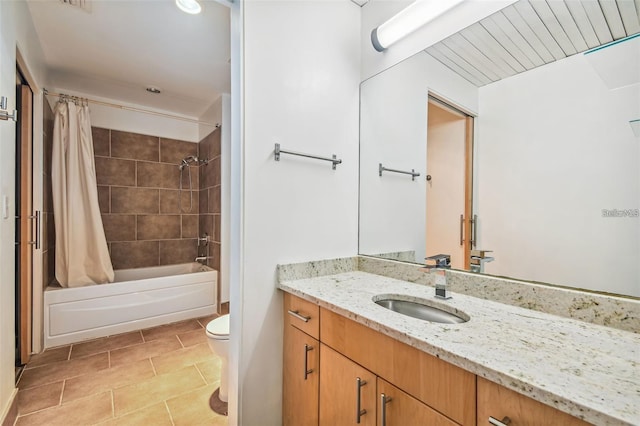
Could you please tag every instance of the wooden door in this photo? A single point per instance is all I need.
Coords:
(449, 165)
(25, 231)
(400, 409)
(301, 378)
(347, 391)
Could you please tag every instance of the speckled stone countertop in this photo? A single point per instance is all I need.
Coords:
(587, 370)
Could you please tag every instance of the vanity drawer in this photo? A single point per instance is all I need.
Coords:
(498, 402)
(302, 314)
(442, 386)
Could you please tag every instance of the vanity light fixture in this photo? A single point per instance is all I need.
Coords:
(408, 20)
(189, 6)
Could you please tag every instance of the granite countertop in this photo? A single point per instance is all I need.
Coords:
(587, 370)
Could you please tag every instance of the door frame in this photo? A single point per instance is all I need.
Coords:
(469, 221)
(37, 200)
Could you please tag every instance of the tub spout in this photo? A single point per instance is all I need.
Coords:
(201, 258)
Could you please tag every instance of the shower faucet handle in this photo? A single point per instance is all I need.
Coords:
(204, 239)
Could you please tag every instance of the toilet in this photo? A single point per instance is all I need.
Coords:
(218, 339)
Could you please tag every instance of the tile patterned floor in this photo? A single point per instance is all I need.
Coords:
(158, 376)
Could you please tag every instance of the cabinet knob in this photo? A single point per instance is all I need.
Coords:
(504, 422)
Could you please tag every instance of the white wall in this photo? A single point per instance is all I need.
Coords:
(393, 132)
(301, 77)
(212, 115)
(376, 12)
(16, 30)
(555, 148)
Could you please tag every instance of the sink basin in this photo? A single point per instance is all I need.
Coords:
(422, 311)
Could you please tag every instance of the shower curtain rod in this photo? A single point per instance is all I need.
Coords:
(128, 108)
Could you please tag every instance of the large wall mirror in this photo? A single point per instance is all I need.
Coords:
(554, 171)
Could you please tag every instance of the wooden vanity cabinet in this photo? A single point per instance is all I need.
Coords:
(301, 366)
(347, 391)
(446, 388)
(400, 408)
(325, 354)
(498, 402)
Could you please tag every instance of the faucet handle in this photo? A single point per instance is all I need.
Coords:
(441, 261)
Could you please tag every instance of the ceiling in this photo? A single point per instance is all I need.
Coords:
(531, 33)
(117, 48)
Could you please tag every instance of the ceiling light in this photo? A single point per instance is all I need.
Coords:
(153, 89)
(408, 20)
(189, 6)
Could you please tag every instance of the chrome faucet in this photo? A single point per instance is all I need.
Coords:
(200, 258)
(442, 262)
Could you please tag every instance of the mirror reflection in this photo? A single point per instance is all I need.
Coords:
(550, 163)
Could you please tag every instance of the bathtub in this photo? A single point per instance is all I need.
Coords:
(138, 298)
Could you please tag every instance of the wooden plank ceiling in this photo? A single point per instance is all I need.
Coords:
(531, 33)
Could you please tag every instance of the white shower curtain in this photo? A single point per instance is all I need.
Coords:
(82, 256)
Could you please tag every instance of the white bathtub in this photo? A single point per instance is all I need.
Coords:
(139, 298)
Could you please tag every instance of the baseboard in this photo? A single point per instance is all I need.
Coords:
(11, 413)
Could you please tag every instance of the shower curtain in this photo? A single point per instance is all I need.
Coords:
(82, 256)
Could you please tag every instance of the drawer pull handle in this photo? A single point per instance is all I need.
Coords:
(296, 314)
(384, 400)
(307, 370)
(359, 412)
(504, 422)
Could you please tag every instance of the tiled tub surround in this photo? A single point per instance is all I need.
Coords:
(138, 181)
(210, 198)
(586, 370)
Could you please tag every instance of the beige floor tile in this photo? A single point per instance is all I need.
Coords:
(63, 370)
(156, 415)
(181, 358)
(205, 320)
(84, 411)
(210, 370)
(49, 356)
(144, 350)
(105, 344)
(151, 391)
(193, 408)
(193, 337)
(170, 330)
(110, 378)
(40, 397)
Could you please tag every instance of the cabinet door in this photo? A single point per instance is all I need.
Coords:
(397, 408)
(498, 402)
(301, 378)
(347, 391)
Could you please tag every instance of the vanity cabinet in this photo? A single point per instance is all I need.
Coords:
(337, 371)
(497, 402)
(347, 391)
(446, 388)
(301, 368)
(396, 408)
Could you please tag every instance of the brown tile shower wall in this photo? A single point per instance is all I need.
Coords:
(48, 231)
(138, 182)
(210, 184)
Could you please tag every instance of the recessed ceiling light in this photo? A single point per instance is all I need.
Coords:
(153, 89)
(189, 6)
